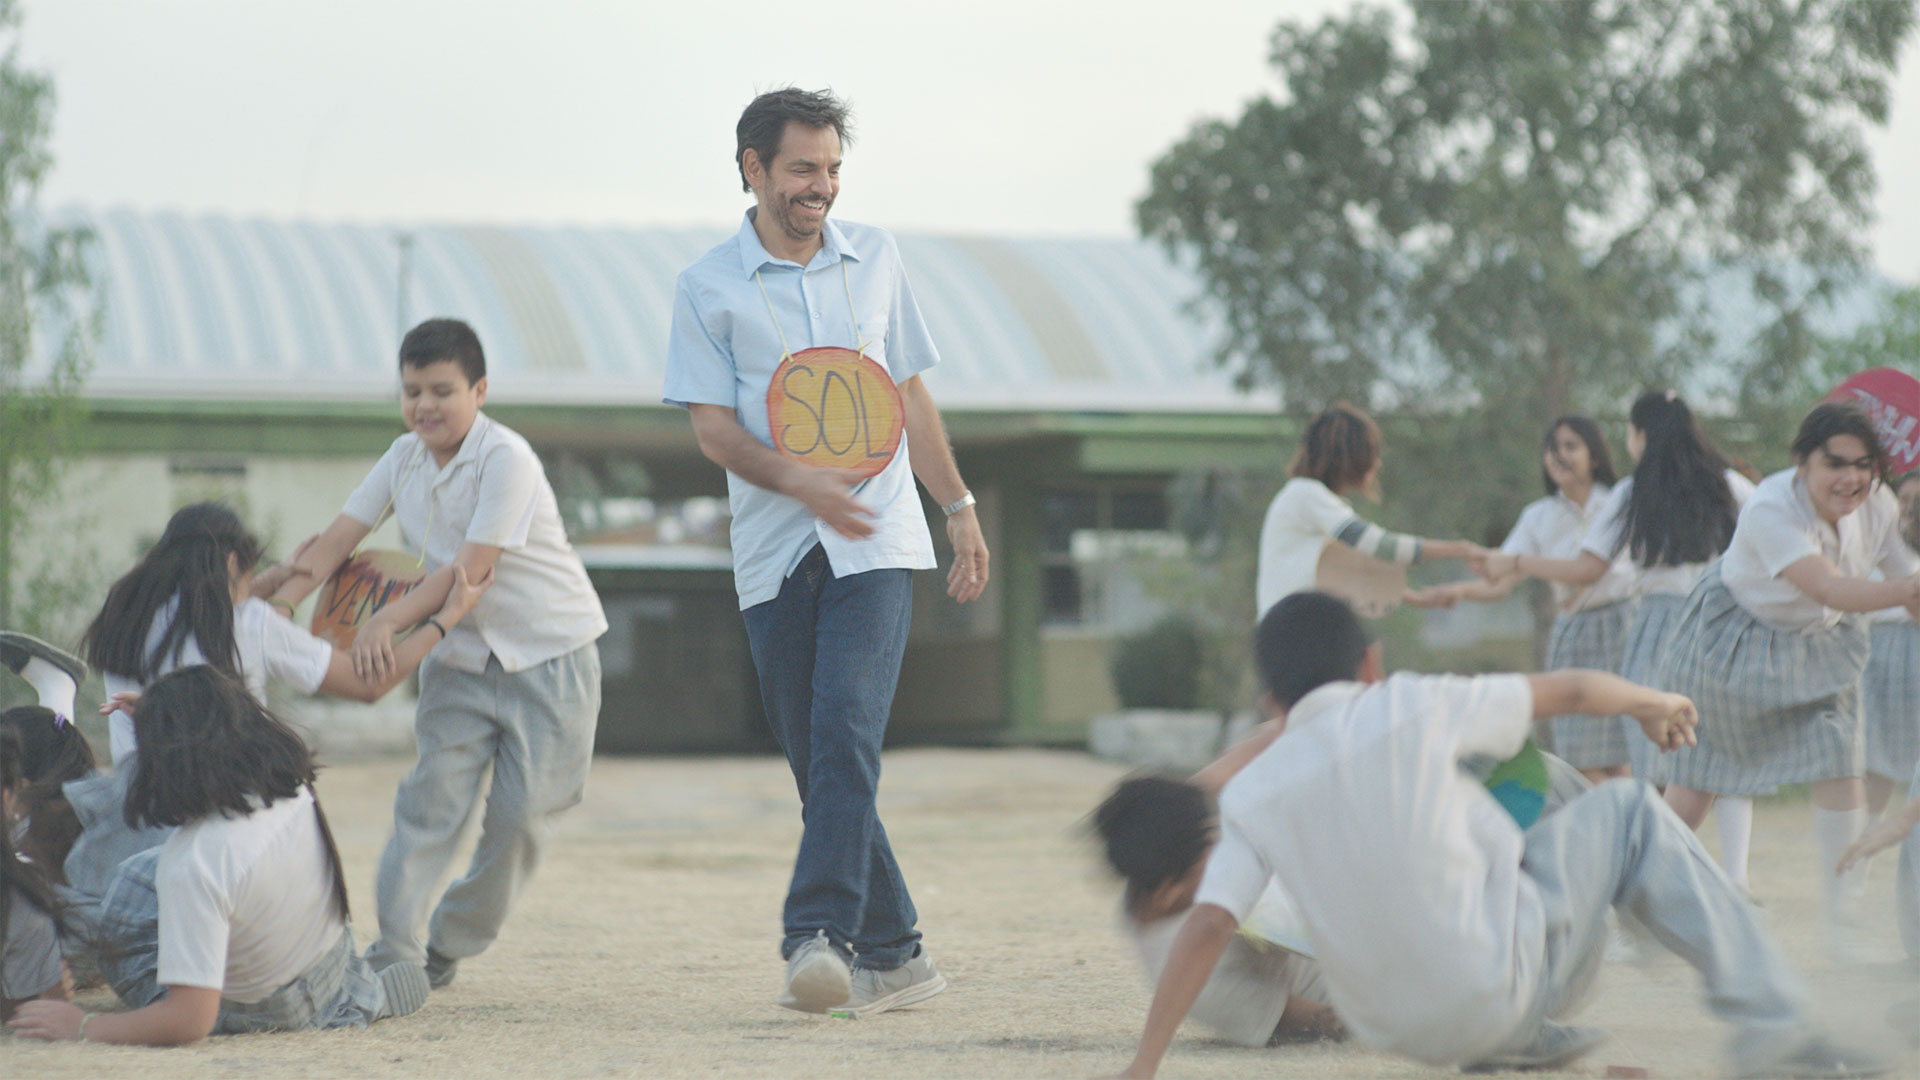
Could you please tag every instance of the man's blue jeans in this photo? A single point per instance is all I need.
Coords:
(828, 652)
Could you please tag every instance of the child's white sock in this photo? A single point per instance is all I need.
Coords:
(1834, 830)
(55, 687)
(1733, 820)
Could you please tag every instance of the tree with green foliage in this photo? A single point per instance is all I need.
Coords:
(47, 328)
(1506, 211)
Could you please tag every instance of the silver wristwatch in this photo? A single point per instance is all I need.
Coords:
(965, 500)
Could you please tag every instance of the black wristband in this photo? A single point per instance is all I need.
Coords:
(434, 621)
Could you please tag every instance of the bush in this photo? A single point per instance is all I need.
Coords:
(1159, 668)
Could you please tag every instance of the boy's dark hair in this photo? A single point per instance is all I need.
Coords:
(1681, 510)
(52, 752)
(207, 748)
(1305, 641)
(1832, 418)
(1340, 447)
(1587, 431)
(445, 339)
(766, 117)
(15, 873)
(1154, 830)
(189, 562)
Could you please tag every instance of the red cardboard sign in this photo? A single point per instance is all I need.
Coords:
(1892, 399)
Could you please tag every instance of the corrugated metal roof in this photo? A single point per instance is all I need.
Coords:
(200, 307)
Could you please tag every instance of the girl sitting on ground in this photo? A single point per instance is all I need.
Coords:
(30, 922)
(239, 922)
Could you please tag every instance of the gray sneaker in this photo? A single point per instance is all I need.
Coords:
(406, 988)
(877, 991)
(817, 978)
(1818, 1058)
(17, 648)
(440, 969)
(1552, 1046)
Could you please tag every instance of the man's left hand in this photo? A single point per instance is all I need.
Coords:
(968, 577)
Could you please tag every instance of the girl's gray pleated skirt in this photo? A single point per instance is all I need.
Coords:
(1653, 618)
(1776, 706)
(1593, 638)
(1890, 699)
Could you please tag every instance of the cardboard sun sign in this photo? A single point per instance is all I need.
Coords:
(364, 584)
(1892, 399)
(835, 408)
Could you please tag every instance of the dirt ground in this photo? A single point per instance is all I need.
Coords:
(646, 947)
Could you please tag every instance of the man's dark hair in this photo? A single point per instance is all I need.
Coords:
(1832, 418)
(1155, 829)
(207, 748)
(1305, 641)
(444, 339)
(765, 121)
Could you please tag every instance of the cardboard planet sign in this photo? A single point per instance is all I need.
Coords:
(836, 409)
(1891, 399)
(364, 584)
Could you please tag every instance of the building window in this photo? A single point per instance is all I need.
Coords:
(1093, 539)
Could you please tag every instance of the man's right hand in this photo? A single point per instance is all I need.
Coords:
(828, 493)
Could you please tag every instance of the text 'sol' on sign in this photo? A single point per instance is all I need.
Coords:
(366, 583)
(835, 408)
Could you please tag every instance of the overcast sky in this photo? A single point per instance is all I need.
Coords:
(1010, 117)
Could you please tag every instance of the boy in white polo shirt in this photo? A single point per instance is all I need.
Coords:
(1444, 932)
(515, 686)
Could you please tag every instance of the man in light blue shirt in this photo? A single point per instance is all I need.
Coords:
(823, 558)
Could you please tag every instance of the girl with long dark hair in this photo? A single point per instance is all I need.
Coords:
(1669, 519)
(1591, 628)
(239, 922)
(1771, 647)
(194, 599)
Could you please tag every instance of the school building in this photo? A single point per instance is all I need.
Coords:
(254, 361)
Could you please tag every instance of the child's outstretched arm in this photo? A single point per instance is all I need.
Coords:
(1583, 569)
(1203, 937)
(373, 650)
(186, 1014)
(1823, 583)
(345, 679)
(1885, 833)
(1667, 719)
(317, 559)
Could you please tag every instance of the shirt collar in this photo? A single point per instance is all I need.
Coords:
(1325, 698)
(469, 446)
(754, 254)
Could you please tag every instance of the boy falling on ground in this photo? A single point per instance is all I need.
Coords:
(1443, 931)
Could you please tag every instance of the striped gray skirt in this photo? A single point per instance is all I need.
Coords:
(1776, 706)
(1653, 618)
(1890, 699)
(1594, 638)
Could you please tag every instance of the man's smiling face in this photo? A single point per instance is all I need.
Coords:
(797, 188)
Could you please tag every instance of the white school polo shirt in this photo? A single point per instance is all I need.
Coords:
(494, 492)
(268, 645)
(1299, 521)
(246, 903)
(1553, 528)
(1779, 527)
(1404, 869)
(725, 347)
(1606, 538)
